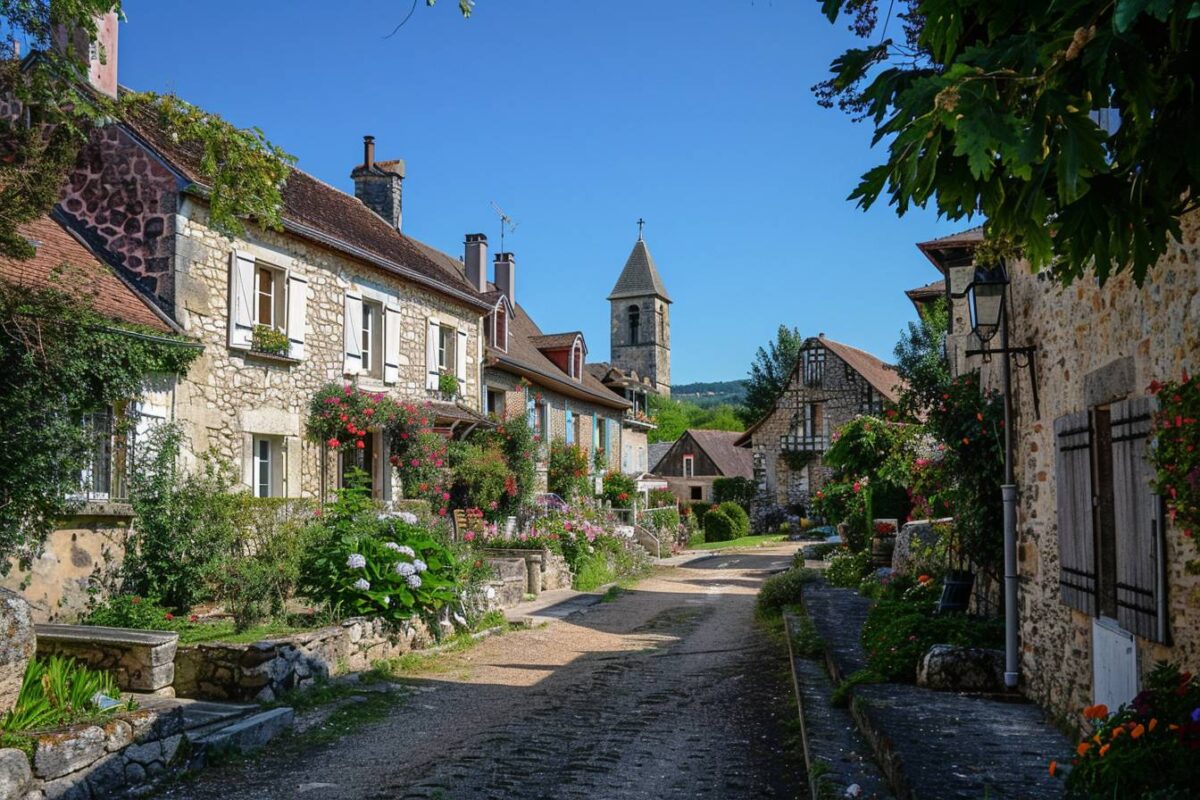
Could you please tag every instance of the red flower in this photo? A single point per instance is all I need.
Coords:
(360, 444)
(333, 442)
(169, 616)
(194, 618)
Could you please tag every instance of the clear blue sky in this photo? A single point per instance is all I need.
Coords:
(577, 117)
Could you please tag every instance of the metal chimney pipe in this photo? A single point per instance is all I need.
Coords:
(368, 151)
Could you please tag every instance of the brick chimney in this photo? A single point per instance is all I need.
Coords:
(476, 261)
(100, 56)
(506, 276)
(378, 184)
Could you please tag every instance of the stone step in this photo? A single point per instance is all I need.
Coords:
(199, 716)
(246, 734)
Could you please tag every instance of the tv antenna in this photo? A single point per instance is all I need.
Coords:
(507, 223)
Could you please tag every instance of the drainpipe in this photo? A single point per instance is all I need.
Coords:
(1008, 495)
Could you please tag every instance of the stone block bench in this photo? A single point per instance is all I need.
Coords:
(141, 661)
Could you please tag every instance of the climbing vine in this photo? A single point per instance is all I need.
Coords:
(59, 360)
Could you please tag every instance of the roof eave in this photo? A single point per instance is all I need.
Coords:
(503, 361)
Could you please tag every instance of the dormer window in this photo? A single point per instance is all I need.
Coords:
(499, 326)
(576, 363)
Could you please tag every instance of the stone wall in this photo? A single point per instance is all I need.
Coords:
(651, 356)
(263, 671)
(77, 561)
(230, 395)
(552, 570)
(1078, 331)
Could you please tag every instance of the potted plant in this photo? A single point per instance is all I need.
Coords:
(448, 385)
(883, 543)
(265, 339)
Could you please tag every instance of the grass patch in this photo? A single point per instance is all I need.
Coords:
(784, 589)
(805, 639)
(841, 695)
(613, 593)
(423, 661)
(744, 541)
(373, 707)
(226, 632)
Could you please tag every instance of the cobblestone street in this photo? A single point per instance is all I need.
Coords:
(670, 691)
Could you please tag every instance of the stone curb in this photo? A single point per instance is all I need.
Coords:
(830, 766)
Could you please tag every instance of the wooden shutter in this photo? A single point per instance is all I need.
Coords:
(433, 329)
(391, 344)
(352, 334)
(297, 304)
(1076, 540)
(460, 359)
(1137, 510)
(241, 299)
(570, 424)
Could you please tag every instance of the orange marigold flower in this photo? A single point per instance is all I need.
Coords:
(1117, 732)
(1137, 732)
(1053, 768)
(1083, 748)
(1153, 725)
(1104, 750)
(1173, 727)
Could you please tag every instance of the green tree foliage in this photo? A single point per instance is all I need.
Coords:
(990, 107)
(920, 362)
(59, 360)
(737, 490)
(673, 417)
(769, 373)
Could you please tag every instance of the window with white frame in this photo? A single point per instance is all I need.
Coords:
(689, 466)
(104, 475)
(267, 466)
(372, 338)
(447, 339)
(270, 306)
(500, 327)
(576, 363)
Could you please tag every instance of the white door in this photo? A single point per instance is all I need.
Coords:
(1114, 664)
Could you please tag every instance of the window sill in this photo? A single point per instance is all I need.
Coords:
(270, 358)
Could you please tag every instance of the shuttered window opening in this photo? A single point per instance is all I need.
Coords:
(1076, 539)
(1138, 530)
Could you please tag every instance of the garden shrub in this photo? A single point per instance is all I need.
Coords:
(1145, 749)
(718, 527)
(619, 489)
(741, 520)
(784, 589)
(847, 568)
(364, 565)
(184, 525)
(898, 633)
(665, 520)
(480, 476)
(567, 472)
(59, 691)
(699, 508)
(733, 490)
(662, 498)
(130, 611)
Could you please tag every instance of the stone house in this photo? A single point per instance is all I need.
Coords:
(636, 424)
(542, 376)
(699, 457)
(58, 578)
(831, 384)
(1104, 589)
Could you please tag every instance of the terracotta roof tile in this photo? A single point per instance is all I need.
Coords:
(881, 375)
(63, 262)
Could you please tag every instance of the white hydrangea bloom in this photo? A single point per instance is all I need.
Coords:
(392, 546)
(362, 584)
(409, 517)
(404, 569)
(356, 561)
(414, 581)
(403, 549)
(387, 601)
(420, 565)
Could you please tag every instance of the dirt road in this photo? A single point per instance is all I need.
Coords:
(670, 691)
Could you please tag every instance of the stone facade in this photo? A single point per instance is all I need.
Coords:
(788, 442)
(1095, 345)
(651, 354)
(77, 559)
(263, 671)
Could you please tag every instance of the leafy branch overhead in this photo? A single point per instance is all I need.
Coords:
(1069, 126)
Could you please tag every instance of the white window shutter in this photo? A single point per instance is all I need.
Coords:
(352, 334)
(297, 304)
(391, 344)
(431, 354)
(241, 299)
(248, 461)
(460, 359)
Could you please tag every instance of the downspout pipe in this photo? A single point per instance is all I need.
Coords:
(1008, 497)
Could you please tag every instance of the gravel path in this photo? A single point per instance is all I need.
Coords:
(670, 691)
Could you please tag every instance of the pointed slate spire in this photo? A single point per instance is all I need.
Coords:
(640, 277)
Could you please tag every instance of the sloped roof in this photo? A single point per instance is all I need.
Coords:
(881, 375)
(639, 277)
(721, 447)
(956, 246)
(65, 263)
(930, 291)
(314, 207)
(556, 341)
(655, 452)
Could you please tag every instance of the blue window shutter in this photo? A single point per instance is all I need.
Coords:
(570, 428)
(530, 408)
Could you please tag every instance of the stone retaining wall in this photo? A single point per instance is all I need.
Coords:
(96, 761)
(262, 671)
(554, 572)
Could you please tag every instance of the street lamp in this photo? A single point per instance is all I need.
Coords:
(987, 300)
(959, 280)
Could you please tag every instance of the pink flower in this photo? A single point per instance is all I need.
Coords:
(333, 442)
(469, 536)
(416, 462)
(445, 495)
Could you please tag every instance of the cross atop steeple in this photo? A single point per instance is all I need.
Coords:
(641, 224)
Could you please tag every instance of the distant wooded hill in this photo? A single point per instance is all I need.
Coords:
(710, 393)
